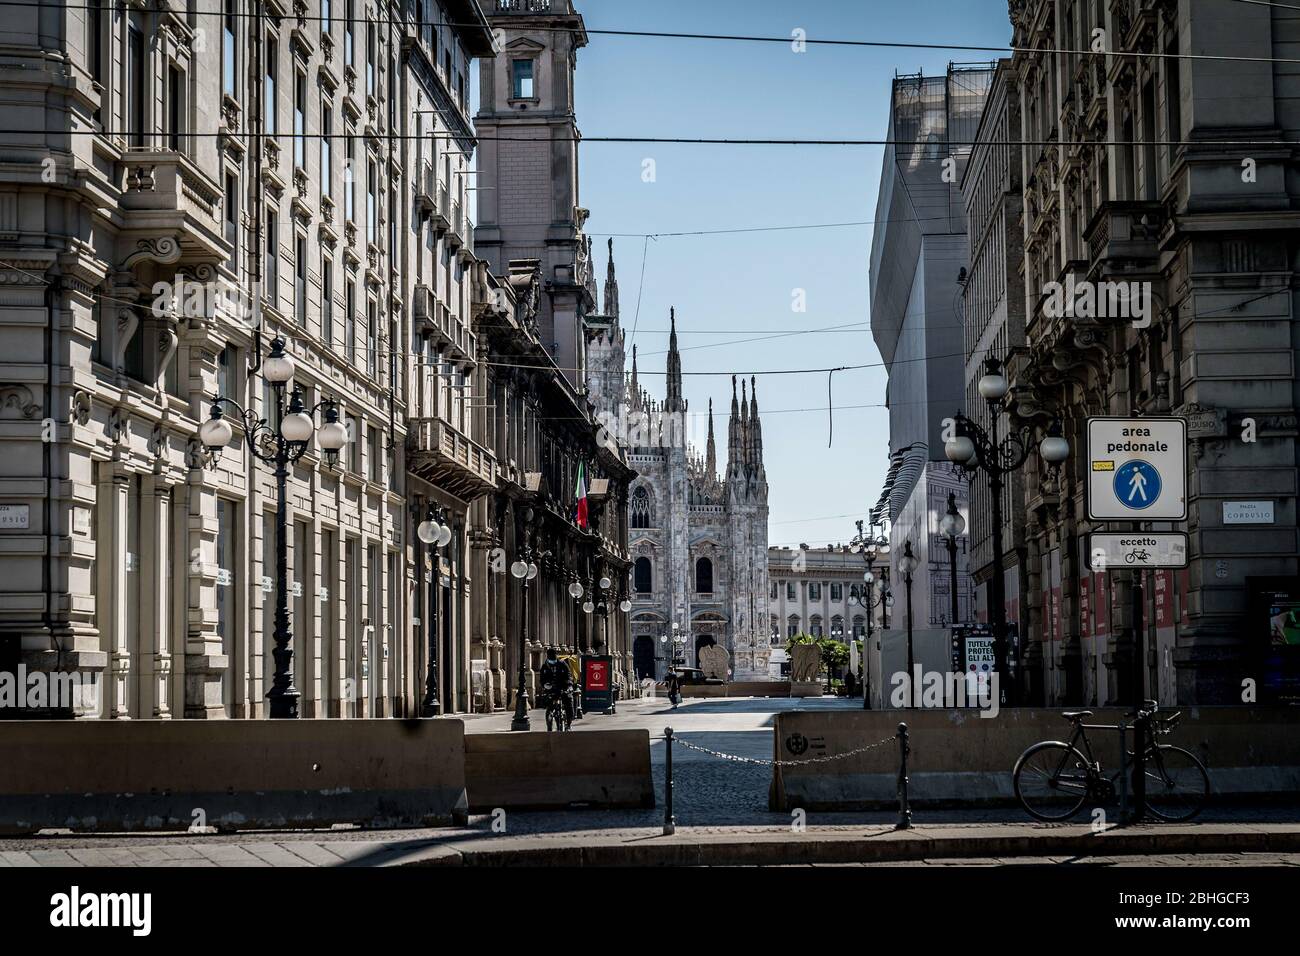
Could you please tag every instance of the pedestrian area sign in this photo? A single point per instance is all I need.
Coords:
(1137, 469)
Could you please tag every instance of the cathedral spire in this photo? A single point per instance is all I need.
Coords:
(711, 459)
(611, 287)
(673, 398)
(733, 434)
(755, 427)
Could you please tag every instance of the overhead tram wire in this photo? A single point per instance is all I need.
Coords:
(741, 38)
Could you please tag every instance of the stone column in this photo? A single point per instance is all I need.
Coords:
(156, 570)
(111, 558)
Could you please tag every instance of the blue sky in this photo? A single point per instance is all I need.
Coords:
(743, 285)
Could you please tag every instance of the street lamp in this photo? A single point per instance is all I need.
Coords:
(435, 533)
(952, 525)
(523, 570)
(908, 563)
(870, 545)
(837, 633)
(280, 447)
(973, 449)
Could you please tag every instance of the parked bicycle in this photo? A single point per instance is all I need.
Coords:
(1053, 779)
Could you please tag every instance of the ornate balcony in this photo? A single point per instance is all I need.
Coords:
(168, 201)
(439, 454)
(1127, 231)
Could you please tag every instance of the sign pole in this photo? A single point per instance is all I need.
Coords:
(1139, 694)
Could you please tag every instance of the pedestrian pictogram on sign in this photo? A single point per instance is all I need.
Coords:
(1137, 484)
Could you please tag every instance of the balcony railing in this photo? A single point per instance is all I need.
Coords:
(440, 454)
(163, 192)
(1128, 230)
(523, 6)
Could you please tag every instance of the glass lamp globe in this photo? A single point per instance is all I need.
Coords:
(519, 569)
(216, 433)
(575, 590)
(297, 427)
(625, 605)
(868, 577)
(332, 436)
(993, 384)
(532, 570)
(427, 531)
(952, 525)
(1054, 449)
(604, 583)
(908, 563)
(277, 367)
(959, 449)
(444, 535)
(882, 545)
(587, 606)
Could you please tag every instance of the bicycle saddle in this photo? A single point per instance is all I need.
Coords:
(1073, 714)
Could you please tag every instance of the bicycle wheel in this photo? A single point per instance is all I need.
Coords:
(1051, 781)
(1177, 783)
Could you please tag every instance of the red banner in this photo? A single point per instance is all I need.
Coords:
(597, 675)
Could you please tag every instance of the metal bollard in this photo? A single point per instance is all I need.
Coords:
(670, 823)
(904, 811)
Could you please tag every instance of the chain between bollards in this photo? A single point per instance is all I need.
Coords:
(904, 811)
(670, 823)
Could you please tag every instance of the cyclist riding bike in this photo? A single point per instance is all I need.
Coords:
(557, 680)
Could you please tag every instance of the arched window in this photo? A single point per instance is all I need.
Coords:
(815, 625)
(775, 628)
(642, 577)
(639, 508)
(837, 627)
(792, 625)
(704, 576)
(859, 625)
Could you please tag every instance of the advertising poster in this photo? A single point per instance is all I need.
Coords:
(1274, 612)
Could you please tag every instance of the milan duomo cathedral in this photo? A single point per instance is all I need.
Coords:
(697, 538)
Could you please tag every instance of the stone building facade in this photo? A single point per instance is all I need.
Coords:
(819, 591)
(189, 187)
(1174, 173)
(993, 316)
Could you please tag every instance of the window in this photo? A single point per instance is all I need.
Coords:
(859, 625)
(231, 217)
(95, 25)
(704, 576)
(327, 301)
(371, 41)
(772, 595)
(326, 148)
(814, 591)
(789, 590)
(300, 280)
(175, 108)
(272, 54)
(642, 577)
(135, 86)
(837, 592)
(350, 322)
(349, 178)
(521, 79)
(300, 120)
(372, 454)
(229, 54)
(392, 222)
(815, 626)
(226, 372)
(354, 446)
(792, 625)
(639, 508)
(349, 30)
(272, 257)
(372, 330)
(372, 204)
(270, 405)
(325, 16)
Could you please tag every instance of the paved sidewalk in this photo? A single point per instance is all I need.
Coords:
(984, 843)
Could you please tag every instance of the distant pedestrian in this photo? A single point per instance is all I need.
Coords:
(672, 682)
(850, 684)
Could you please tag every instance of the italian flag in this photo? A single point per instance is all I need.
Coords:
(580, 492)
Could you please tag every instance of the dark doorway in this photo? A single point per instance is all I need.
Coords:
(643, 657)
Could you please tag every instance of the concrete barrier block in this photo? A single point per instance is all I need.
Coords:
(118, 775)
(959, 758)
(604, 769)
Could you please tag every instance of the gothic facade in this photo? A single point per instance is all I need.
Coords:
(697, 538)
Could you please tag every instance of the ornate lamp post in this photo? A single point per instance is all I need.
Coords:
(575, 592)
(869, 545)
(951, 525)
(907, 564)
(280, 447)
(973, 449)
(524, 570)
(435, 534)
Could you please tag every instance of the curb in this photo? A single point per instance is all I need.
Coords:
(882, 846)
